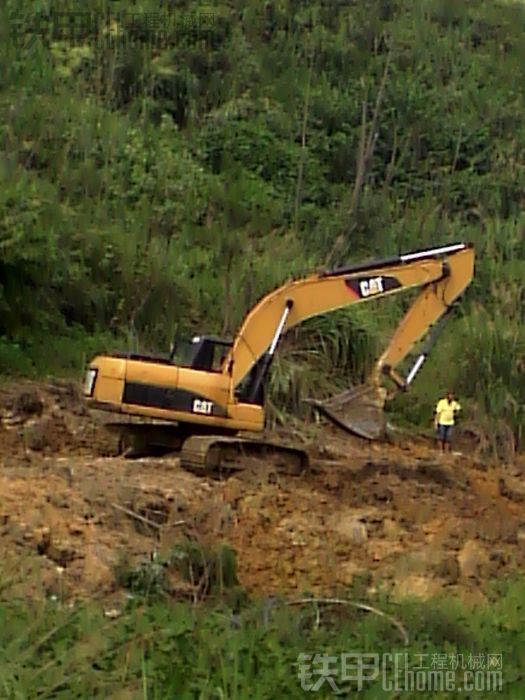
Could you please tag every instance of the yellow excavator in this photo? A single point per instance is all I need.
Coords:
(199, 398)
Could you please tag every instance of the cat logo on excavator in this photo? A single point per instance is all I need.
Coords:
(371, 286)
(366, 287)
(204, 407)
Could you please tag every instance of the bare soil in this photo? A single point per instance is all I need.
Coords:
(396, 517)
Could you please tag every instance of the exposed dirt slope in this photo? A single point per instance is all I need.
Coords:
(378, 516)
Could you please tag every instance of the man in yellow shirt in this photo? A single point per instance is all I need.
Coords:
(445, 418)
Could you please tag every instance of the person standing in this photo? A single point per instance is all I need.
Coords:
(445, 419)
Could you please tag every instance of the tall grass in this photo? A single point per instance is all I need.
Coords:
(491, 370)
(176, 650)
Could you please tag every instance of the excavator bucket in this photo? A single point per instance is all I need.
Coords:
(359, 410)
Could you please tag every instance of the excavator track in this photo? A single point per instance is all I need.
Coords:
(216, 455)
(208, 454)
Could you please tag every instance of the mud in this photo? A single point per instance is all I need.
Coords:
(396, 517)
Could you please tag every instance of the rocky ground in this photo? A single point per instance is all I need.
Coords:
(380, 516)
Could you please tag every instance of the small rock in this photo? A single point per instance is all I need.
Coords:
(472, 560)
(76, 528)
(59, 500)
(36, 437)
(42, 537)
(347, 572)
(352, 530)
(420, 561)
(382, 493)
(17, 532)
(29, 403)
(97, 571)
(512, 488)
(51, 583)
(288, 568)
(66, 473)
(391, 528)
(500, 558)
(379, 550)
(448, 569)
(414, 586)
(233, 490)
(61, 553)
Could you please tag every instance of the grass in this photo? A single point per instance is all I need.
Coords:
(167, 649)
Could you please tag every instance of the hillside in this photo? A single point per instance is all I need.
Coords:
(80, 523)
(162, 166)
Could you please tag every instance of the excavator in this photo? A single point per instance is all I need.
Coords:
(197, 400)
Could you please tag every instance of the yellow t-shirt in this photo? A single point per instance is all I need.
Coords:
(445, 411)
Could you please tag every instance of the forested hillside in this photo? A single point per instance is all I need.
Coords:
(165, 164)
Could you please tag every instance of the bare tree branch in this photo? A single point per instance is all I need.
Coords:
(298, 191)
(365, 152)
(368, 139)
(353, 604)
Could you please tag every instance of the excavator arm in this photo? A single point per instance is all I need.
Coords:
(441, 273)
(361, 409)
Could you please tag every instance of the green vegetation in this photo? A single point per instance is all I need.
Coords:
(211, 572)
(153, 650)
(162, 169)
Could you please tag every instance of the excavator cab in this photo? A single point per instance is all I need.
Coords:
(202, 352)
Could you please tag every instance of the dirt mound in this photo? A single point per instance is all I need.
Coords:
(392, 516)
(48, 419)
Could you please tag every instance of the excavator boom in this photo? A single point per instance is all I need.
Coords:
(442, 274)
